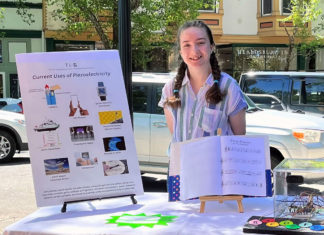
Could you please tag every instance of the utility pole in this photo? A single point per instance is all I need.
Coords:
(125, 48)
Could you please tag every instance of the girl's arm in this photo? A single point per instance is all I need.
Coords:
(169, 120)
(238, 123)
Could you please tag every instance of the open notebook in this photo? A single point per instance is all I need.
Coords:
(220, 165)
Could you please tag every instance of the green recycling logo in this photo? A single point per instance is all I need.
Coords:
(139, 220)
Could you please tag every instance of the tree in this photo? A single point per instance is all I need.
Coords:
(300, 36)
(153, 21)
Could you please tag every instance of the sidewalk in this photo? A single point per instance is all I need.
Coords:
(17, 190)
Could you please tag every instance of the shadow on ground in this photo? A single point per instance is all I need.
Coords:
(153, 184)
(16, 161)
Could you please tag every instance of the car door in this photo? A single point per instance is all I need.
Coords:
(160, 134)
(141, 119)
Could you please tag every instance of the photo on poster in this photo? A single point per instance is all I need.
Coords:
(85, 159)
(76, 108)
(81, 133)
(50, 94)
(50, 140)
(56, 166)
(115, 167)
(48, 125)
(114, 143)
(110, 117)
(102, 92)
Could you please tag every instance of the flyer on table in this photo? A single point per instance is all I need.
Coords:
(78, 124)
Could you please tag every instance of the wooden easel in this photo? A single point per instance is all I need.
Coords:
(238, 198)
(204, 199)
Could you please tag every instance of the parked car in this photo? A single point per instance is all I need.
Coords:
(291, 135)
(13, 135)
(297, 92)
(11, 104)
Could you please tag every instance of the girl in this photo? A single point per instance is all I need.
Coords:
(201, 98)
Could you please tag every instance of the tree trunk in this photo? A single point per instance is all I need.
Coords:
(288, 58)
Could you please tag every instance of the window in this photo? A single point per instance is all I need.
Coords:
(16, 48)
(14, 86)
(0, 51)
(1, 85)
(266, 7)
(265, 93)
(158, 93)
(286, 8)
(210, 5)
(140, 98)
(308, 91)
(73, 47)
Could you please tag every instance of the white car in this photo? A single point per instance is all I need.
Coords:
(12, 134)
(290, 135)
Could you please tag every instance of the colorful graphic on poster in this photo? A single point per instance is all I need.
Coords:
(56, 166)
(110, 117)
(115, 167)
(81, 133)
(114, 144)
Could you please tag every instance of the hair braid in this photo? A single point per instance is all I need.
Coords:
(175, 101)
(214, 94)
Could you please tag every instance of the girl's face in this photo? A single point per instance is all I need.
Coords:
(195, 47)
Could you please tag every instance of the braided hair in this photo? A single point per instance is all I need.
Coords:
(214, 94)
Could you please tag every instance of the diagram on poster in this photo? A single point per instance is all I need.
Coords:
(79, 129)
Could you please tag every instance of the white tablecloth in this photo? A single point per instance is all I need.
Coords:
(90, 217)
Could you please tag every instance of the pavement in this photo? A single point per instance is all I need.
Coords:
(17, 195)
(17, 198)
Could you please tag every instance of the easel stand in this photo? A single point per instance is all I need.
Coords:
(204, 199)
(132, 196)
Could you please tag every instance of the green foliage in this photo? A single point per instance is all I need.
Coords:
(152, 21)
(24, 12)
(304, 12)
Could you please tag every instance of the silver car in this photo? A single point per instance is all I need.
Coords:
(12, 134)
(290, 135)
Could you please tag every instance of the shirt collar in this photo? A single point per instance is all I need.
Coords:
(209, 80)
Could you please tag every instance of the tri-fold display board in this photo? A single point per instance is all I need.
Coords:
(79, 129)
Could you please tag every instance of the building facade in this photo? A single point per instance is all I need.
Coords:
(17, 36)
(249, 36)
(247, 33)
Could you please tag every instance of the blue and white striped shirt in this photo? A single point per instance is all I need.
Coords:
(196, 118)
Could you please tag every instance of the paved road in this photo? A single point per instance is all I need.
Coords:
(17, 197)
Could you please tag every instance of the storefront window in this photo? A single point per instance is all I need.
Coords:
(225, 59)
(73, 47)
(1, 85)
(0, 51)
(275, 58)
(260, 59)
(248, 59)
(14, 86)
(320, 59)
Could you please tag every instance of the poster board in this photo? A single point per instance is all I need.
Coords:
(79, 129)
(220, 165)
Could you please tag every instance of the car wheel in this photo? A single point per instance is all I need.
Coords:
(7, 146)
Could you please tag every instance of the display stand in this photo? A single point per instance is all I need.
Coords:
(132, 196)
(238, 198)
